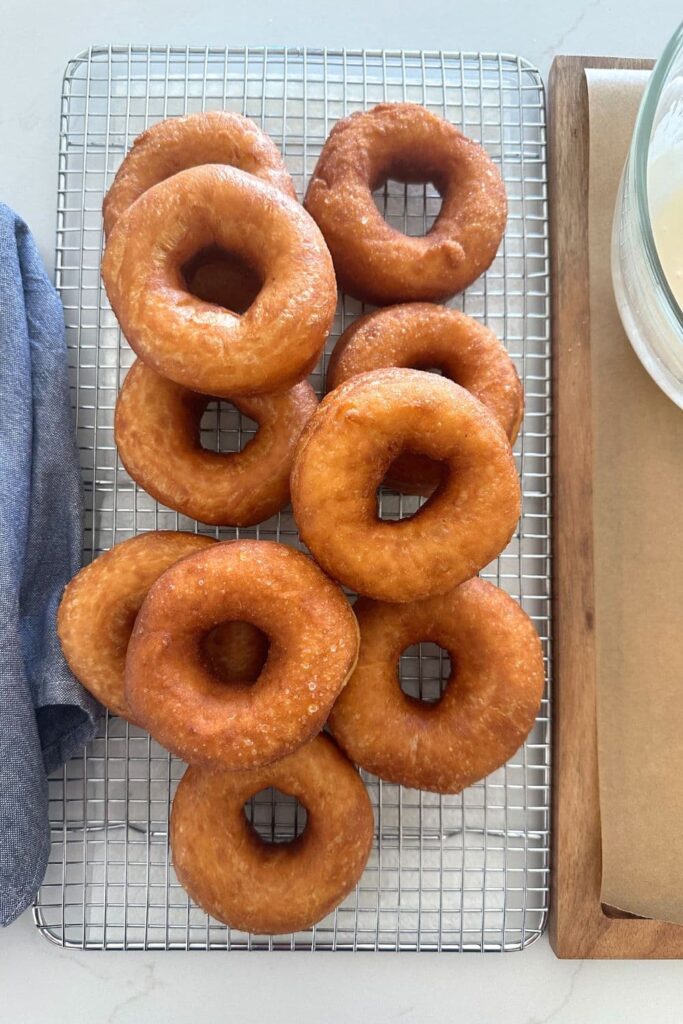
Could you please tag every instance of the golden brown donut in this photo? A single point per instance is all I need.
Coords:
(351, 440)
(157, 433)
(313, 647)
(486, 711)
(200, 345)
(272, 888)
(100, 604)
(425, 336)
(406, 142)
(213, 137)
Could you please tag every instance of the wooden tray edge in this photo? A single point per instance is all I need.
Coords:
(579, 927)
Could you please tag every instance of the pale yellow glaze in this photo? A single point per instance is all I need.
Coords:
(667, 228)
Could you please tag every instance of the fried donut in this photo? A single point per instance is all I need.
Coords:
(486, 711)
(100, 604)
(272, 888)
(406, 142)
(313, 647)
(421, 335)
(157, 433)
(200, 345)
(351, 440)
(213, 137)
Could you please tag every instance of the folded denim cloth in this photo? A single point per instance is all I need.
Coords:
(45, 714)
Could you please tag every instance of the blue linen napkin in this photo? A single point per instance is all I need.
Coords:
(45, 714)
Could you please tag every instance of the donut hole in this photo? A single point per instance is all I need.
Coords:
(438, 370)
(424, 671)
(276, 817)
(407, 205)
(235, 651)
(394, 504)
(222, 278)
(223, 428)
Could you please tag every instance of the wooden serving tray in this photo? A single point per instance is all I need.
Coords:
(580, 926)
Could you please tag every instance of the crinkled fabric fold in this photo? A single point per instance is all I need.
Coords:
(45, 714)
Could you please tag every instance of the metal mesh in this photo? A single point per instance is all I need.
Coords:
(467, 872)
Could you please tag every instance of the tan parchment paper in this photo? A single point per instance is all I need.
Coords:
(638, 520)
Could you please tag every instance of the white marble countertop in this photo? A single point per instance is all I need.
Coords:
(42, 983)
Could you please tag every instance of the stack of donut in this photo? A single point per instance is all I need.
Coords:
(236, 655)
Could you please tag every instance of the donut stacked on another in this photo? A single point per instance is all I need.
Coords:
(207, 348)
(234, 654)
(100, 605)
(356, 434)
(313, 637)
(224, 287)
(422, 336)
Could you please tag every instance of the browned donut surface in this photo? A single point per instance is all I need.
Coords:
(272, 888)
(351, 440)
(406, 142)
(486, 711)
(425, 336)
(157, 433)
(100, 604)
(213, 137)
(200, 345)
(313, 647)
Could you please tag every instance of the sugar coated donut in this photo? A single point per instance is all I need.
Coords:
(99, 607)
(406, 142)
(272, 888)
(313, 647)
(206, 347)
(157, 433)
(425, 336)
(486, 711)
(213, 137)
(351, 440)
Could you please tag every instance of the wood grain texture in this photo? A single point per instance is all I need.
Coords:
(579, 925)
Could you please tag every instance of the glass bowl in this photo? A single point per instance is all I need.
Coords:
(650, 191)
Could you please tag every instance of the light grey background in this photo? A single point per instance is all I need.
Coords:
(41, 983)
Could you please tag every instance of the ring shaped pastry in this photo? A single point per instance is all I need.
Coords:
(212, 137)
(351, 440)
(272, 888)
(99, 607)
(404, 141)
(313, 647)
(157, 433)
(206, 347)
(486, 711)
(424, 336)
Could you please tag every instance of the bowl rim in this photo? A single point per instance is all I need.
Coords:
(641, 146)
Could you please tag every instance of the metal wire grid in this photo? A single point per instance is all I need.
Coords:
(447, 873)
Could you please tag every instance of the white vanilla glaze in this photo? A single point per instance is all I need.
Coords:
(665, 184)
(665, 189)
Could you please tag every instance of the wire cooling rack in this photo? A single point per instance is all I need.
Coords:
(467, 872)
